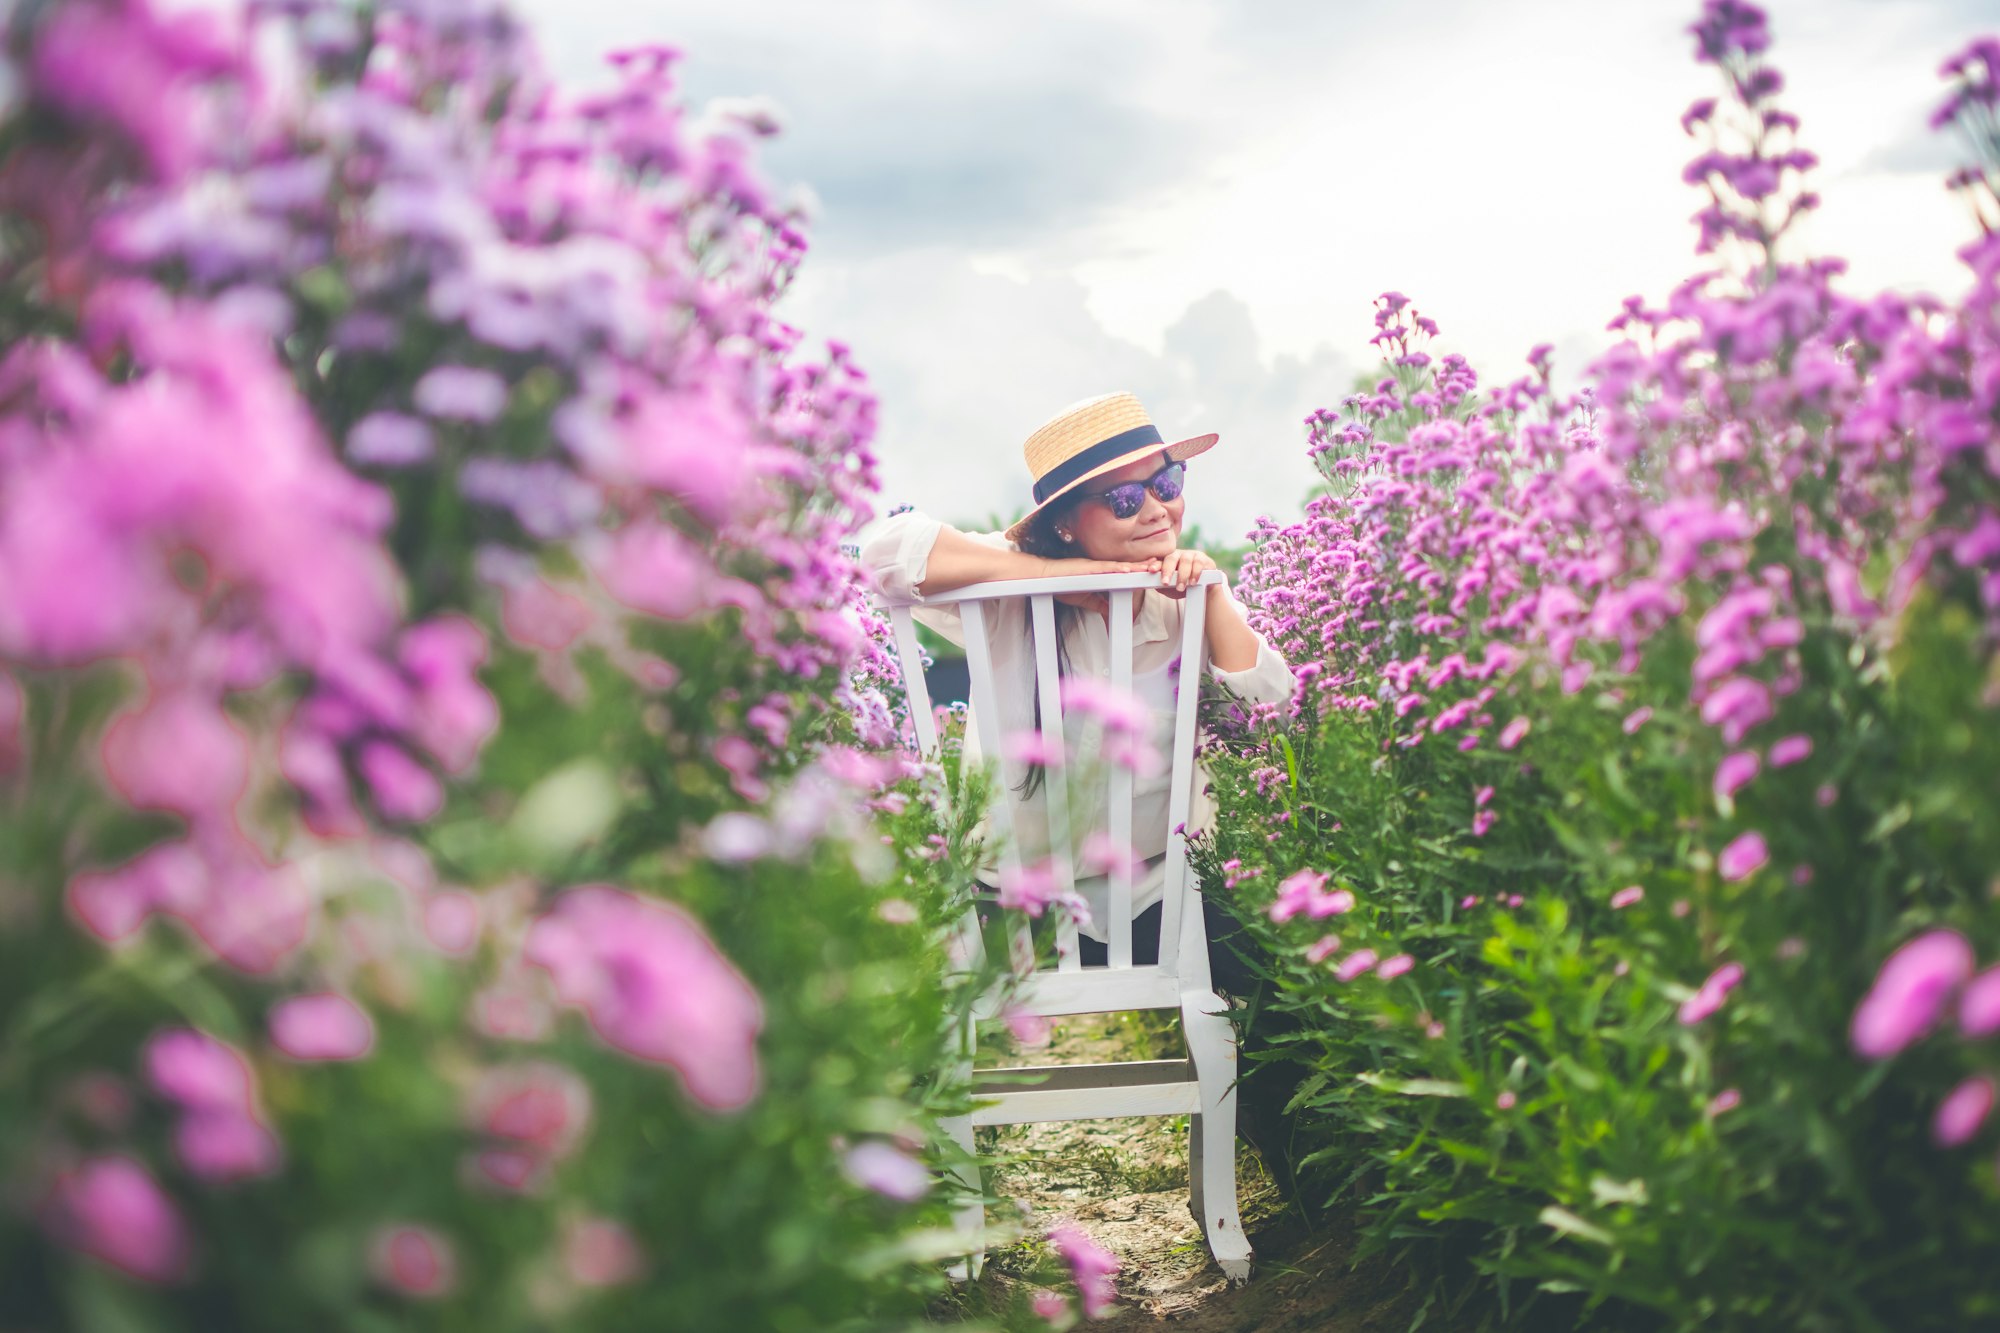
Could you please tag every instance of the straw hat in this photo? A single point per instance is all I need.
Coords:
(1089, 439)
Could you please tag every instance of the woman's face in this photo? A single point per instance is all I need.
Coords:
(1153, 531)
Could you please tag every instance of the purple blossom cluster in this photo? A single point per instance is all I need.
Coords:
(1762, 461)
(345, 352)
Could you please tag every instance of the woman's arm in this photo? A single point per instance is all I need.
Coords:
(1232, 644)
(916, 554)
(958, 559)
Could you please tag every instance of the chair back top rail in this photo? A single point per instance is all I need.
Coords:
(1063, 583)
(1123, 591)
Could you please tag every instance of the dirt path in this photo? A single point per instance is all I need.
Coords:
(1125, 1182)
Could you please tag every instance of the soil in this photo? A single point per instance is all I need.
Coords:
(1126, 1183)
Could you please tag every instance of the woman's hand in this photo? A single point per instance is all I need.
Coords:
(1179, 568)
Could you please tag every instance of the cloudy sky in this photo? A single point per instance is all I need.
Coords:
(1028, 203)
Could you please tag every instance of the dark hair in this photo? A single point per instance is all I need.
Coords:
(1041, 539)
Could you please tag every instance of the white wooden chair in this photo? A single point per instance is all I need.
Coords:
(1200, 1086)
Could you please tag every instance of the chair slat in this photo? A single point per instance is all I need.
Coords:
(915, 688)
(1174, 889)
(986, 718)
(1119, 908)
(1048, 685)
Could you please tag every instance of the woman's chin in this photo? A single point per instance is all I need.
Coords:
(1151, 548)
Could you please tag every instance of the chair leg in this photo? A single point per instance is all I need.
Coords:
(970, 1220)
(1212, 1136)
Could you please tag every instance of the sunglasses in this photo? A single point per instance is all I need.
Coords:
(1128, 499)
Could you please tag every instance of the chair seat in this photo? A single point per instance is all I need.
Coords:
(1033, 1093)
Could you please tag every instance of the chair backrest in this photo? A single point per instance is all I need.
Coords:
(1188, 960)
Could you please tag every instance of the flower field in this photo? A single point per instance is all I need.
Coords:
(460, 864)
(1629, 857)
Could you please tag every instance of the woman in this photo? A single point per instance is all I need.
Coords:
(1108, 499)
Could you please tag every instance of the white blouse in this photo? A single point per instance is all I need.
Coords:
(897, 552)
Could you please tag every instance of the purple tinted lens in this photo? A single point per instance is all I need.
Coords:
(1167, 482)
(1126, 500)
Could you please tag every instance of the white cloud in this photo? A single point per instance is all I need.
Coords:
(1198, 200)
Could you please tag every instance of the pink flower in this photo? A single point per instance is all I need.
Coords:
(178, 753)
(1790, 750)
(1029, 888)
(1735, 770)
(1712, 993)
(1481, 797)
(322, 1026)
(1626, 896)
(1091, 1265)
(540, 1107)
(200, 1073)
(536, 614)
(1352, 966)
(1035, 749)
(887, 1170)
(1048, 1305)
(1514, 732)
(455, 715)
(1304, 891)
(413, 1261)
(1482, 821)
(1031, 1030)
(598, 1252)
(1979, 1007)
(1322, 949)
(1506, 1101)
(652, 568)
(1726, 1100)
(451, 922)
(404, 789)
(1910, 993)
(1636, 719)
(222, 1146)
(1736, 706)
(112, 1209)
(1102, 856)
(1391, 968)
(1743, 857)
(1117, 710)
(654, 987)
(1963, 1111)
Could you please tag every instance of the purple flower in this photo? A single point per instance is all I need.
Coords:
(389, 439)
(1910, 993)
(1722, 1102)
(1626, 896)
(463, 393)
(1391, 968)
(1743, 857)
